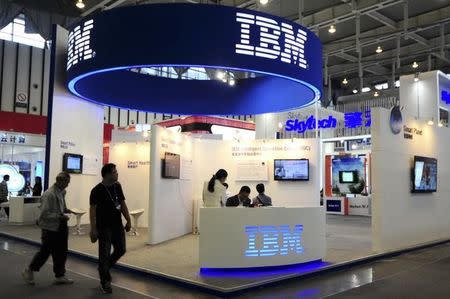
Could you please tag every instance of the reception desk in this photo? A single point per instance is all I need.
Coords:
(261, 237)
(23, 210)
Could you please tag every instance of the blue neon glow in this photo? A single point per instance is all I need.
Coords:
(262, 272)
(445, 96)
(273, 240)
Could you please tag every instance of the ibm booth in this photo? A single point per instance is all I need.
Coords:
(259, 64)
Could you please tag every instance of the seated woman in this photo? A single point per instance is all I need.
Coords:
(262, 199)
(214, 192)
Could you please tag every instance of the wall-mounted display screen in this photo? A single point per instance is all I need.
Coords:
(72, 163)
(424, 174)
(348, 177)
(291, 170)
(171, 166)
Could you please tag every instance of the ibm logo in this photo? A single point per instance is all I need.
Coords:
(79, 48)
(273, 240)
(293, 47)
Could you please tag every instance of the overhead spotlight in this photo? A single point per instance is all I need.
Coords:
(332, 29)
(355, 91)
(376, 94)
(345, 82)
(224, 80)
(232, 82)
(379, 50)
(354, 146)
(280, 125)
(415, 65)
(440, 125)
(80, 4)
(263, 2)
(220, 75)
(342, 141)
(416, 77)
(431, 122)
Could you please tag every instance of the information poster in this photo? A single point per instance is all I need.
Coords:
(252, 171)
(91, 165)
(186, 172)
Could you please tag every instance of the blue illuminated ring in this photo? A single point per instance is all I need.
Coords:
(103, 49)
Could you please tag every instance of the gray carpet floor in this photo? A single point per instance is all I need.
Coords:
(348, 238)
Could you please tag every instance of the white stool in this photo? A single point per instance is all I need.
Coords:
(78, 213)
(136, 214)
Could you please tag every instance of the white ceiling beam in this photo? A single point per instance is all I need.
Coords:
(95, 7)
(377, 16)
(347, 57)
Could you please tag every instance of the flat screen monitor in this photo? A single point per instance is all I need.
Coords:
(291, 170)
(171, 166)
(424, 176)
(348, 177)
(72, 163)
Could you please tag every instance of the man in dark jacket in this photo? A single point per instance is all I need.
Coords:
(241, 199)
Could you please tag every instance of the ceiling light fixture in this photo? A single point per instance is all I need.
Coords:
(431, 122)
(379, 50)
(220, 75)
(415, 65)
(440, 125)
(355, 91)
(345, 82)
(80, 4)
(332, 29)
(376, 94)
(232, 82)
(263, 2)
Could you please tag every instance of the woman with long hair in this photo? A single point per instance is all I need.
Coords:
(37, 188)
(214, 192)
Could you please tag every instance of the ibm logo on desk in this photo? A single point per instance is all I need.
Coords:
(79, 48)
(273, 240)
(277, 41)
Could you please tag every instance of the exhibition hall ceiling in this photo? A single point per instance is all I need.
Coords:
(421, 29)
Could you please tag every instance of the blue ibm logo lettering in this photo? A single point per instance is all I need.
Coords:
(289, 49)
(273, 240)
(79, 48)
(445, 95)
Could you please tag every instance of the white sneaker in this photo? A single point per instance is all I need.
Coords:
(28, 276)
(63, 280)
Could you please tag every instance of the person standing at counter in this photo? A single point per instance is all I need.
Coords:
(107, 205)
(55, 233)
(4, 192)
(262, 199)
(37, 188)
(214, 192)
(240, 199)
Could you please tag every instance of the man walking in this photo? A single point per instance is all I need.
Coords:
(107, 207)
(53, 223)
(4, 192)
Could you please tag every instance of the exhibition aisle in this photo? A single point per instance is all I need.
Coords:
(348, 238)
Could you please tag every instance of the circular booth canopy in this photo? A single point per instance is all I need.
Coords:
(279, 61)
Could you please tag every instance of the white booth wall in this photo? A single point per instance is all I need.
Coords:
(77, 128)
(400, 218)
(130, 151)
(173, 202)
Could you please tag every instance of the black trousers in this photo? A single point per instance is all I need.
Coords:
(108, 238)
(54, 244)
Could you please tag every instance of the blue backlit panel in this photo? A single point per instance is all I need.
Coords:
(102, 49)
(264, 241)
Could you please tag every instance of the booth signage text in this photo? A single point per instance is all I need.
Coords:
(352, 120)
(274, 240)
(11, 138)
(410, 132)
(269, 34)
(310, 124)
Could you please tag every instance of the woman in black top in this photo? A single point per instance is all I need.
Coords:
(37, 189)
